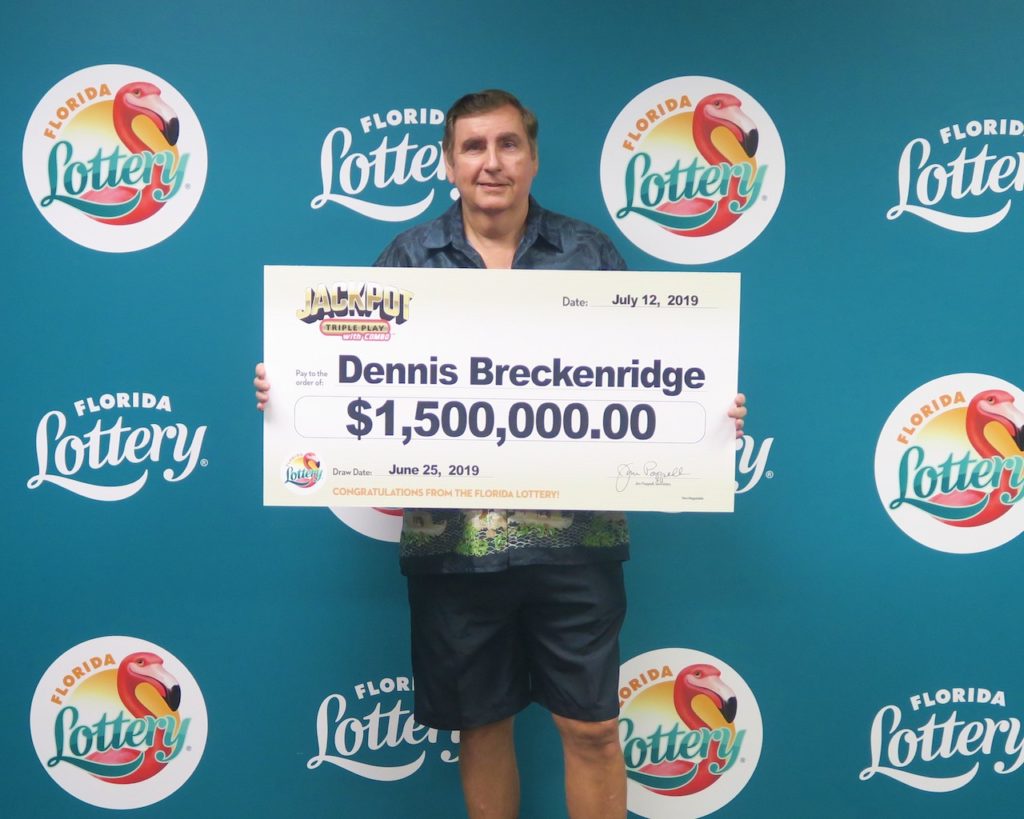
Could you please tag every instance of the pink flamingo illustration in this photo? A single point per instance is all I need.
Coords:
(137, 669)
(985, 408)
(702, 700)
(712, 112)
(131, 101)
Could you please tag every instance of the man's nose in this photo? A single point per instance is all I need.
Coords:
(492, 157)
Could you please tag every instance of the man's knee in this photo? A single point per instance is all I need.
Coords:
(592, 739)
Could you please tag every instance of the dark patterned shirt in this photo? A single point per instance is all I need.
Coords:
(487, 540)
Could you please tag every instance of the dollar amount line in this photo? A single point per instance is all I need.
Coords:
(546, 420)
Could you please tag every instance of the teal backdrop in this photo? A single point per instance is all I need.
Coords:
(827, 610)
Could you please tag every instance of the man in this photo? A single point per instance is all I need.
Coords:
(511, 606)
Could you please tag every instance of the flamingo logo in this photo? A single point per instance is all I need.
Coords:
(692, 170)
(690, 731)
(114, 158)
(949, 463)
(303, 471)
(118, 722)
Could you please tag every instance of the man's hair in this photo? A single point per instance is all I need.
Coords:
(481, 102)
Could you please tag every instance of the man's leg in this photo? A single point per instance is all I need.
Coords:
(470, 668)
(574, 618)
(487, 765)
(595, 773)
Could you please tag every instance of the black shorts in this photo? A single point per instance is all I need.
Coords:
(484, 645)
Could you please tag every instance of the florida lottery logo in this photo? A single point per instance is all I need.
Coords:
(690, 731)
(118, 434)
(372, 732)
(118, 722)
(303, 472)
(114, 158)
(949, 466)
(692, 170)
(385, 164)
(937, 741)
(962, 176)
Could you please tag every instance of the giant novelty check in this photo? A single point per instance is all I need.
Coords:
(518, 389)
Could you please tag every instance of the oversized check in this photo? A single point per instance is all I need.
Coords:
(519, 389)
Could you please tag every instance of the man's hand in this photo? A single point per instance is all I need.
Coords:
(263, 388)
(737, 411)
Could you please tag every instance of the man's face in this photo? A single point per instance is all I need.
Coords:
(490, 161)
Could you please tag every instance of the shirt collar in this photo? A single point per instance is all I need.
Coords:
(448, 230)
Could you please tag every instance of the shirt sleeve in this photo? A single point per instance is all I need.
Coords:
(394, 255)
(610, 257)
